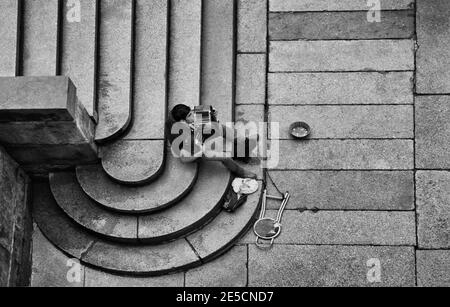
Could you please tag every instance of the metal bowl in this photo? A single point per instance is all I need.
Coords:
(300, 130)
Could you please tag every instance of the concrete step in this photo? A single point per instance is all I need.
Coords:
(148, 198)
(41, 24)
(10, 21)
(115, 65)
(340, 25)
(202, 246)
(185, 52)
(134, 162)
(190, 214)
(218, 57)
(79, 49)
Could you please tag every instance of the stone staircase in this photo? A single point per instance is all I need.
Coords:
(138, 211)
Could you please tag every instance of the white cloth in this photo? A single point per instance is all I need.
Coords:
(245, 186)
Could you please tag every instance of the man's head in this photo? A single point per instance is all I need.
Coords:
(180, 112)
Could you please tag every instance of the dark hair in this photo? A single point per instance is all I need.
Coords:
(180, 112)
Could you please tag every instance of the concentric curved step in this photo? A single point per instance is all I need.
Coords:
(130, 259)
(194, 211)
(150, 198)
(115, 66)
(134, 162)
(138, 158)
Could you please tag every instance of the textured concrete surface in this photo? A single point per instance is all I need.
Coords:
(252, 25)
(346, 122)
(133, 162)
(218, 57)
(346, 190)
(100, 187)
(432, 132)
(363, 55)
(346, 155)
(150, 71)
(40, 38)
(51, 268)
(9, 33)
(341, 88)
(345, 228)
(15, 222)
(114, 69)
(43, 123)
(78, 53)
(433, 39)
(228, 271)
(251, 79)
(96, 278)
(185, 52)
(336, 5)
(330, 266)
(433, 209)
(84, 211)
(433, 268)
(340, 25)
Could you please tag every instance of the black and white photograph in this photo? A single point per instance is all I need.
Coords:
(224, 150)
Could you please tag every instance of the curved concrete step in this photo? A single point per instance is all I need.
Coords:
(194, 211)
(133, 162)
(115, 66)
(130, 259)
(150, 198)
(139, 157)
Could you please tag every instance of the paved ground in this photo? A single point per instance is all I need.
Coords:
(371, 200)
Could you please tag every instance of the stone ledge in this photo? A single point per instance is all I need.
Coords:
(43, 124)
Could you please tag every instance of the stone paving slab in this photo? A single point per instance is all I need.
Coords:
(433, 39)
(346, 190)
(346, 122)
(433, 209)
(330, 266)
(341, 25)
(433, 268)
(361, 55)
(218, 57)
(336, 5)
(40, 40)
(100, 279)
(251, 79)
(432, 132)
(228, 271)
(341, 88)
(9, 34)
(50, 266)
(185, 52)
(150, 71)
(345, 228)
(115, 64)
(346, 155)
(252, 25)
(79, 47)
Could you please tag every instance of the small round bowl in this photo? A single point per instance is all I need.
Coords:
(300, 130)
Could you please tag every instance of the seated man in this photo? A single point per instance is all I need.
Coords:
(192, 137)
